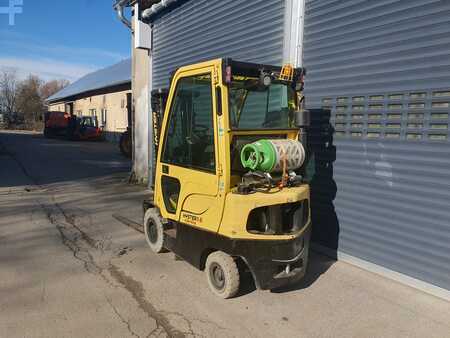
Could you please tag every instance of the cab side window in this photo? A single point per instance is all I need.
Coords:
(189, 139)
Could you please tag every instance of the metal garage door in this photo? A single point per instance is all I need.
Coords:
(248, 30)
(379, 74)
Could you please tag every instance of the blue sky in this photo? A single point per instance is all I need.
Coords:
(62, 38)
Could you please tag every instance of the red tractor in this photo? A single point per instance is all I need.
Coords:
(72, 127)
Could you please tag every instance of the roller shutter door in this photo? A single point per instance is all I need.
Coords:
(198, 30)
(379, 87)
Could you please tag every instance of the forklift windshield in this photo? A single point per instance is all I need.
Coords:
(253, 106)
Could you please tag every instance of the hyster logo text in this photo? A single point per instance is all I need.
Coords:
(192, 219)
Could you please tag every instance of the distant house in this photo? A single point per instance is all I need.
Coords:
(104, 94)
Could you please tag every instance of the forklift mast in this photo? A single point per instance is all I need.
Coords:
(158, 101)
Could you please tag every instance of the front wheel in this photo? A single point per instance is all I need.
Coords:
(154, 230)
(222, 274)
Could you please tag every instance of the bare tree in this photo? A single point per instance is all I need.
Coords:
(52, 87)
(25, 100)
(8, 90)
(29, 101)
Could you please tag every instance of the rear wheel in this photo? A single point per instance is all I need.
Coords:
(154, 230)
(125, 144)
(222, 274)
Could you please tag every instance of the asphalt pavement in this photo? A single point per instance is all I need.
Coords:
(74, 263)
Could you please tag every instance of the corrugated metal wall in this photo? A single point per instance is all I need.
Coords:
(379, 82)
(248, 30)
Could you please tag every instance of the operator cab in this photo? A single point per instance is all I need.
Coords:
(88, 121)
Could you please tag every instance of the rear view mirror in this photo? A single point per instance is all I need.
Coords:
(302, 118)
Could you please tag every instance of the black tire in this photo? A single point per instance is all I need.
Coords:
(125, 144)
(47, 133)
(154, 230)
(222, 274)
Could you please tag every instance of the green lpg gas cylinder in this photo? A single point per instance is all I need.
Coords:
(260, 155)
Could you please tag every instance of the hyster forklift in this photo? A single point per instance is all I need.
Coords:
(226, 196)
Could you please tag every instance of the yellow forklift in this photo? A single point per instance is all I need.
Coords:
(229, 192)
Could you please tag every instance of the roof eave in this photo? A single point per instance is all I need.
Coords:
(65, 98)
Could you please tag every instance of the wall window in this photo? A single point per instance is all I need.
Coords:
(92, 112)
(122, 103)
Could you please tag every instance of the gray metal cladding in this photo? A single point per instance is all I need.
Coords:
(378, 85)
(199, 30)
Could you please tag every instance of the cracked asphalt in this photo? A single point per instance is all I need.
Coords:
(74, 263)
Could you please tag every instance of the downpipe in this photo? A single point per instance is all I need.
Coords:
(119, 8)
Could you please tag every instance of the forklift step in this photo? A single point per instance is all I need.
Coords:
(170, 239)
(171, 232)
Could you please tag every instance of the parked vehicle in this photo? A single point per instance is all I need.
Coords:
(61, 124)
(87, 128)
(126, 139)
(56, 124)
(126, 143)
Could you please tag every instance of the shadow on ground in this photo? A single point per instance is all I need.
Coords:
(69, 168)
(31, 158)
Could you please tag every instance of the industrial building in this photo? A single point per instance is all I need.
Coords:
(104, 94)
(378, 88)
